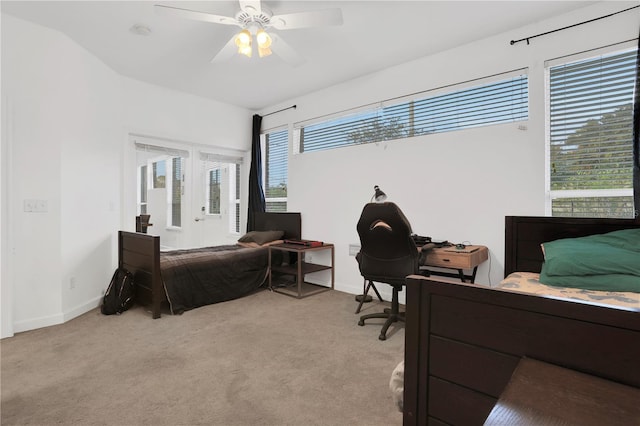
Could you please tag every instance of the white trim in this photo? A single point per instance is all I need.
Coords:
(592, 53)
(40, 322)
(141, 137)
(548, 209)
(82, 308)
(590, 193)
(61, 318)
(7, 326)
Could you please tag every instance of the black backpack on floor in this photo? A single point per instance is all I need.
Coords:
(119, 295)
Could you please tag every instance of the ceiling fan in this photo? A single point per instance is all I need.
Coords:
(255, 19)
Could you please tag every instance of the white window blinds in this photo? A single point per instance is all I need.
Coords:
(591, 136)
(276, 144)
(492, 100)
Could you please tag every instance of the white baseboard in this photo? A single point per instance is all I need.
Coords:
(82, 309)
(48, 321)
(34, 323)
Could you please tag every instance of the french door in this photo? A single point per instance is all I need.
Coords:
(192, 193)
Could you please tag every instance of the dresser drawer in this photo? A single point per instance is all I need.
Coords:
(445, 258)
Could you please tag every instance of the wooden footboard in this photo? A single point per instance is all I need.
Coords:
(140, 254)
(463, 343)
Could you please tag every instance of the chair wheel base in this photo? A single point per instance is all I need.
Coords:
(367, 298)
(361, 323)
(382, 337)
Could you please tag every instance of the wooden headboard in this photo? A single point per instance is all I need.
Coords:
(524, 234)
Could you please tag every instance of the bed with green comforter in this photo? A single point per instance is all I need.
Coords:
(602, 269)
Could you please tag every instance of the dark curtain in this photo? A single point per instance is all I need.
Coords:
(636, 137)
(256, 193)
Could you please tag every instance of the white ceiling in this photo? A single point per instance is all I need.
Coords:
(375, 35)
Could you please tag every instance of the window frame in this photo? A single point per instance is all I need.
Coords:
(497, 99)
(208, 184)
(170, 191)
(567, 194)
(264, 142)
(234, 197)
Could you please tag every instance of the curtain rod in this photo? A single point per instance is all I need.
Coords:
(512, 42)
(280, 110)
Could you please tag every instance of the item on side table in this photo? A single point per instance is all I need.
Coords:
(305, 243)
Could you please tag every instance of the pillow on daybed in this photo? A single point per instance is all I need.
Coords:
(597, 262)
(261, 237)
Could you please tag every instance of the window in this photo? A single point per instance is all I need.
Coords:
(159, 174)
(213, 191)
(235, 189)
(275, 145)
(221, 176)
(503, 99)
(142, 190)
(590, 141)
(161, 181)
(175, 193)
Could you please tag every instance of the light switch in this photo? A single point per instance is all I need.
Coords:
(29, 205)
(42, 206)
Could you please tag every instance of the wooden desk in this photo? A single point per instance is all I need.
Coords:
(449, 258)
(545, 394)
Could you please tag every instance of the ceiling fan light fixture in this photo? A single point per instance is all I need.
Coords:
(243, 38)
(264, 51)
(263, 39)
(245, 50)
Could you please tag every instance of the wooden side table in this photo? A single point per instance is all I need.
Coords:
(300, 269)
(451, 258)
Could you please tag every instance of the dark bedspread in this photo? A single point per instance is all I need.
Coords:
(202, 276)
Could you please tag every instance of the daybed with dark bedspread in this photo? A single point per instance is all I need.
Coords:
(463, 341)
(190, 278)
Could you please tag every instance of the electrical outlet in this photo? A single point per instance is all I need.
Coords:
(354, 249)
(72, 283)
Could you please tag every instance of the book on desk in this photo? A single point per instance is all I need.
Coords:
(304, 243)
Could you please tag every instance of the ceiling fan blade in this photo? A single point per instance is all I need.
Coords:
(252, 7)
(192, 14)
(319, 18)
(226, 52)
(286, 52)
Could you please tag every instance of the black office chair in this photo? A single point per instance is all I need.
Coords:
(387, 255)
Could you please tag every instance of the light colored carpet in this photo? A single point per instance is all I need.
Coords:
(266, 359)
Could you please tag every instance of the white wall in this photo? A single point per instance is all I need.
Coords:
(65, 140)
(65, 150)
(458, 185)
